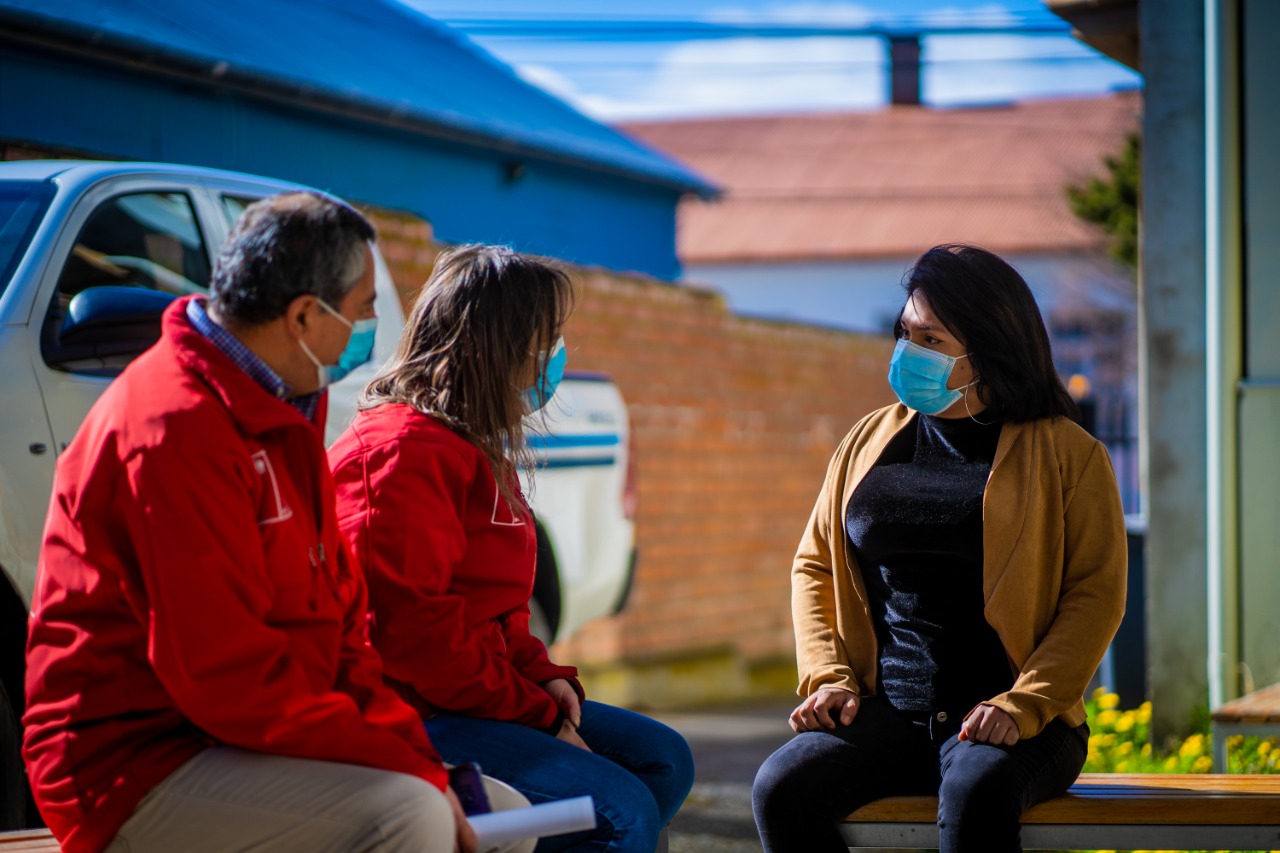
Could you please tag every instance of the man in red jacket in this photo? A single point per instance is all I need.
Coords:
(198, 674)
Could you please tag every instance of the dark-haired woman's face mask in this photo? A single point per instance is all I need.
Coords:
(919, 375)
(925, 358)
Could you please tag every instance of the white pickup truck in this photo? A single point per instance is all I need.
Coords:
(91, 253)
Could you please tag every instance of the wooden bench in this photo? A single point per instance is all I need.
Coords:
(1256, 714)
(1107, 811)
(29, 841)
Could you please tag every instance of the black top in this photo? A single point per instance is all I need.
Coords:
(915, 524)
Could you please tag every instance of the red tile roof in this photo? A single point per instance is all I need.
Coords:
(894, 182)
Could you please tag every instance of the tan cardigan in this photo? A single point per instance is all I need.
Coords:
(1054, 564)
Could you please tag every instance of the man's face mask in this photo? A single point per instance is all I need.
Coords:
(359, 348)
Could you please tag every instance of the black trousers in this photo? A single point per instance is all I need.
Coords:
(803, 790)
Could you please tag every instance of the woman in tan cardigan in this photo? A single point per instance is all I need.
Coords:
(958, 583)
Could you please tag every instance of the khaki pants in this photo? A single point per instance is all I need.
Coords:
(228, 799)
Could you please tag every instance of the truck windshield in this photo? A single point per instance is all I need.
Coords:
(22, 204)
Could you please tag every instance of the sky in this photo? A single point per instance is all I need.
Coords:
(645, 62)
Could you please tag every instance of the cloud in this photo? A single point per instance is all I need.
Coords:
(550, 81)
(844, 14)
(736, 76)
(758, 75)
(974, 69)
(814, 14)
(990, 15)
(605, 107)
(770, 75)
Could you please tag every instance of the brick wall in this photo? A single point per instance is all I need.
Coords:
(407, 245)
(18, 150)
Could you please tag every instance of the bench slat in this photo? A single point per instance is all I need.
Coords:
(1125, 799)
(29, 841)
(1056, 836)
(1262, 706)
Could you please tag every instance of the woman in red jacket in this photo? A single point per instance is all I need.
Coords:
(429, 497)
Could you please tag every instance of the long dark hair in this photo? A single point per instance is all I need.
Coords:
(987, 304)
(466, 348)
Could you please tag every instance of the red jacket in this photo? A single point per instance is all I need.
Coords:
(194, 589)
(450, 569)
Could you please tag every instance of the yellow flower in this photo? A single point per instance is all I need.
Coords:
(1235, 740)
(1122, 767)
(1108, 719)
(1099, 692)
(1265, 747)
(1146, 750)
(1108, 701)
(1126, 721)
(1144, 713)
(1194, 745)
(1171, 764)
(1203, 764)
(1125, 748)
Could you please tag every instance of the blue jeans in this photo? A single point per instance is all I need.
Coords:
(807, 787)
(639, 771)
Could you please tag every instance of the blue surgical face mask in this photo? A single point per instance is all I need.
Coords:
(919, 375)
(359, 348)
(550, 370)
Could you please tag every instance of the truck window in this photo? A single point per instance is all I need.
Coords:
(149, 240)
(233, 206)
(22, 204)
(134, 255)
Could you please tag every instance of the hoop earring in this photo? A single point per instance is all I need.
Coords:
(969, 413)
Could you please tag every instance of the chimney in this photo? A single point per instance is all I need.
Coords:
(904, 70)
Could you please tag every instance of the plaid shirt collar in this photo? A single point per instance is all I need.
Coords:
(248, 362)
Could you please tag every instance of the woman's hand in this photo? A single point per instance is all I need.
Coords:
(566, 699)
(989, 724)
(815, 712)
(466, 841)
(569, 734)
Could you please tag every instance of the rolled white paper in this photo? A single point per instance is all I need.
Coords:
(554, 818)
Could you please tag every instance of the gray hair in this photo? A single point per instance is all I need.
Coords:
(284, 247)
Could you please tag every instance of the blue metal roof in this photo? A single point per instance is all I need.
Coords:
(375, 59)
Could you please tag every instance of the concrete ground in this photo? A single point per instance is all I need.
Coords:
(728, 745)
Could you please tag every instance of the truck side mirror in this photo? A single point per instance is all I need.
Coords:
(105, 328)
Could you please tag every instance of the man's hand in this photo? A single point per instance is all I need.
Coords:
(566, 698)
(815, 712)
(569, 734)
(466, 841)
(989, 724)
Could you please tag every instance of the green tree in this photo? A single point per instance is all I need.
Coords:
(1111, 202)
